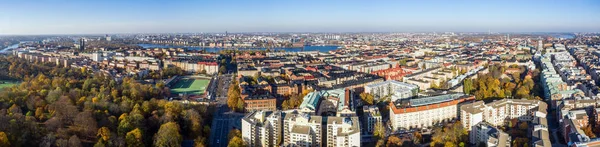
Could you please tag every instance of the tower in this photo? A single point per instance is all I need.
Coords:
(540, 44)
(81, 44)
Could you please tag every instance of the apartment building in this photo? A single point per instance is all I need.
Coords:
(572, 127)
(395, 89)
(370, 118)
(485, 134)
(260, 102)
(302, 129)
(425, 111)
(262, 128)
(495, 113)
(343, 132)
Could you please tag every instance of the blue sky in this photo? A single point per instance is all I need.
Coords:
(176, 16)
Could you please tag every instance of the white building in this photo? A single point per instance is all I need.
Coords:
(97, 57)
(302, 130)
(262, 128)
(343, 132)
(497, 112)
(489, 136)
(426, 111)
(397, 90)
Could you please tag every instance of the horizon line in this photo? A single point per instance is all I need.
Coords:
(283, 32)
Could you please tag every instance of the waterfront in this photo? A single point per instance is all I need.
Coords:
(14, 46)
(214, 49)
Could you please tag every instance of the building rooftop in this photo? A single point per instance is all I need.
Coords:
(434, 99)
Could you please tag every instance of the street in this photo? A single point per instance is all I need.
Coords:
(224, 120)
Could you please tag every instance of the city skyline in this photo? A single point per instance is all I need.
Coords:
(117, 17)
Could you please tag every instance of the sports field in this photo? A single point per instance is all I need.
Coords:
(4, 84)
(190, 86)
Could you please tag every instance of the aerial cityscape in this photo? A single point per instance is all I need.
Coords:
(300, 73)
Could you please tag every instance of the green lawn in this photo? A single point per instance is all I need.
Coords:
(4, 84)
(190, 86)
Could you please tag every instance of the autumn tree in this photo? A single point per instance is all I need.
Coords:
(234, 98)
(200, 142)
(134, 138)
(453, 134)
(85, 125)
(379, 131)
(394, 141)
(168, 135)
(64, 106)
(192, 123)
(588, 131)
(236, 142)
(417, 137)
(293, 101)
(367, 98)
(520, 141)
(235, 138)
(4, 140)
(104, 137)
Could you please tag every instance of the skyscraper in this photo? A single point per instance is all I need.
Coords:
(81, 44)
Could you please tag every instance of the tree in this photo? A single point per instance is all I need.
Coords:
(522, 92)
(417, 137)
(74, 141)
(236, 142)
(449, 144)
(453, 134)
(433, 85)
(588, 131)
(4, 140)
(168, 135)
(379, 131)
(85, 125)
(200, 142)
(468, 86)
(520, 141)
(233, 97)
(234, 133)
(235, 138)
(104, 134)
(64, 107)
(394, 141)
(192, 123)
(240, 105)
(367, 98)
(99, 144)
(134, 138)
(402, 62)
(516, 76)
(523, 126)
(222, 69)
(380, 143)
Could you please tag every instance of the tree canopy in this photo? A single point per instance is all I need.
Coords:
(58, 106)
(168, 135)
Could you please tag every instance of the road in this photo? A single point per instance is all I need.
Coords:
(222, 87)
(223, 120)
